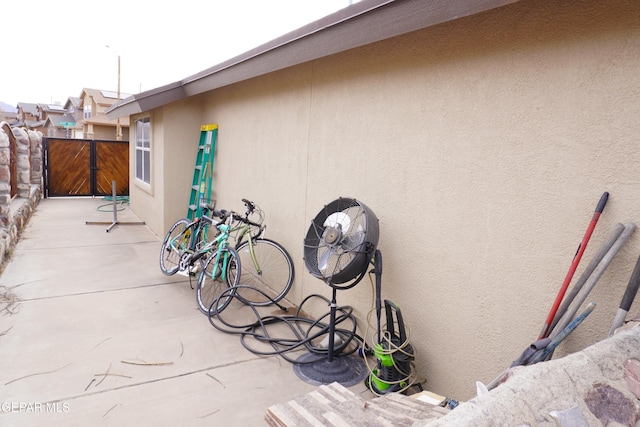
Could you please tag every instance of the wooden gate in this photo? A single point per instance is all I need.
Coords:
(85, 167)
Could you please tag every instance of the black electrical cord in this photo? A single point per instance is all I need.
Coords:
(304, 331)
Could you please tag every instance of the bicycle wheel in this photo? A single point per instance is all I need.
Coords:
(270, 277)
(212, 281)
(173, 246)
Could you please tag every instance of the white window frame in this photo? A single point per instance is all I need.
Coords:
(142, 157)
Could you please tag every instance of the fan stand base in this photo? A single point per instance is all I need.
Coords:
(346, 370)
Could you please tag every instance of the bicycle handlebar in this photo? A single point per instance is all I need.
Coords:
(250, 206)
(245, 220)
(224, 214)
(206, 219)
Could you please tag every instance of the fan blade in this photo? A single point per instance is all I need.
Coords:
(323, 261)
(352, 241)
(338, 218)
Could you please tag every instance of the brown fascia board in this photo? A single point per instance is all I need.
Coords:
(146, 101)
(362, 23)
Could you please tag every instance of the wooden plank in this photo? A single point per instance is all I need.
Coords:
(306, 415)
(69, 168)
(336, 405)
(112, 163)
(277, 417)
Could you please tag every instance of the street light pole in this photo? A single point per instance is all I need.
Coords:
(118, 128)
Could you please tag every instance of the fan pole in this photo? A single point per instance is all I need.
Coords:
(344, 227)
(377, 262)
(332, 325)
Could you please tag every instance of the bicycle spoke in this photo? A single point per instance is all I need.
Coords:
(173, 247)
(218, 275)
(270, 277)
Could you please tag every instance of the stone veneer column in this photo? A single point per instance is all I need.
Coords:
(5, 174)
(23, 162)
(36, 157)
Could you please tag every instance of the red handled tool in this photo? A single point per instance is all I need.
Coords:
(574, 265)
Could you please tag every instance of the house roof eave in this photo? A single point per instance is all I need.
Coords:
(146, 101)
(362, 23)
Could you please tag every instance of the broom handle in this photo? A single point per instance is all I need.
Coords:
(627, 299)
(574, 265)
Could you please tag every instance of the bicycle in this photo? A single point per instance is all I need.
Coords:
(184, 238)
(221, 270)
(266, 268)
(267, 271)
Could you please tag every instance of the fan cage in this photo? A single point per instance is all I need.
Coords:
(348, 258)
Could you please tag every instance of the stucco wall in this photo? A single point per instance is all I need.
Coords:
(483, 146)
(175, 133)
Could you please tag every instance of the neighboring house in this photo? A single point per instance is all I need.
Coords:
(481, 133)
(95, 124)
(73, 122)
(73, 106)
(47, 110)
(10, 117)
(28, 115)
(51, 115)
(64, 126)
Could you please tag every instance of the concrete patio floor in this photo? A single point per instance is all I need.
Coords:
(99, 336)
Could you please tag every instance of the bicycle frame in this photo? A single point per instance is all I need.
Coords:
(190, 253)
(220, 242)
(245, 230)
(247, 255)
(195, 229)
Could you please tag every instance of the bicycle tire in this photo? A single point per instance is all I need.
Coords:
(170, 253)
(210, 288)
(275, 278)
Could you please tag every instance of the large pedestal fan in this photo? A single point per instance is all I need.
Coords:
(338, 248)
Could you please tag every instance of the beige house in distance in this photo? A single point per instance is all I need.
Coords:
(95, 123)
(481, 133)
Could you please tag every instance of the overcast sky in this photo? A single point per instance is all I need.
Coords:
(54, 49)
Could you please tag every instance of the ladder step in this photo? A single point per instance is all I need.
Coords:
(203, 170)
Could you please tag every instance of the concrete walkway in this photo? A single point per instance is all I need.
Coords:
(97, 335)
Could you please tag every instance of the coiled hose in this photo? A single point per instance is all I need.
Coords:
(303, 332)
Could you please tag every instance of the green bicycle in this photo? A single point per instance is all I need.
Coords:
(186, 249)
(220, 271)
(258, 270)
(267, 271)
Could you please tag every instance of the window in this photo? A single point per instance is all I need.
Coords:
(87, 111)
(143, 154)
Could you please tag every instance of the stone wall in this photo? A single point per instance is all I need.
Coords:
(15, 212)
(599, 386)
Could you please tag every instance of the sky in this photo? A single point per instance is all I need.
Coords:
(56, 49)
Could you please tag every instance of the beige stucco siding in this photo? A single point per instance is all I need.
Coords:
(175, 134)
(483, 146)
